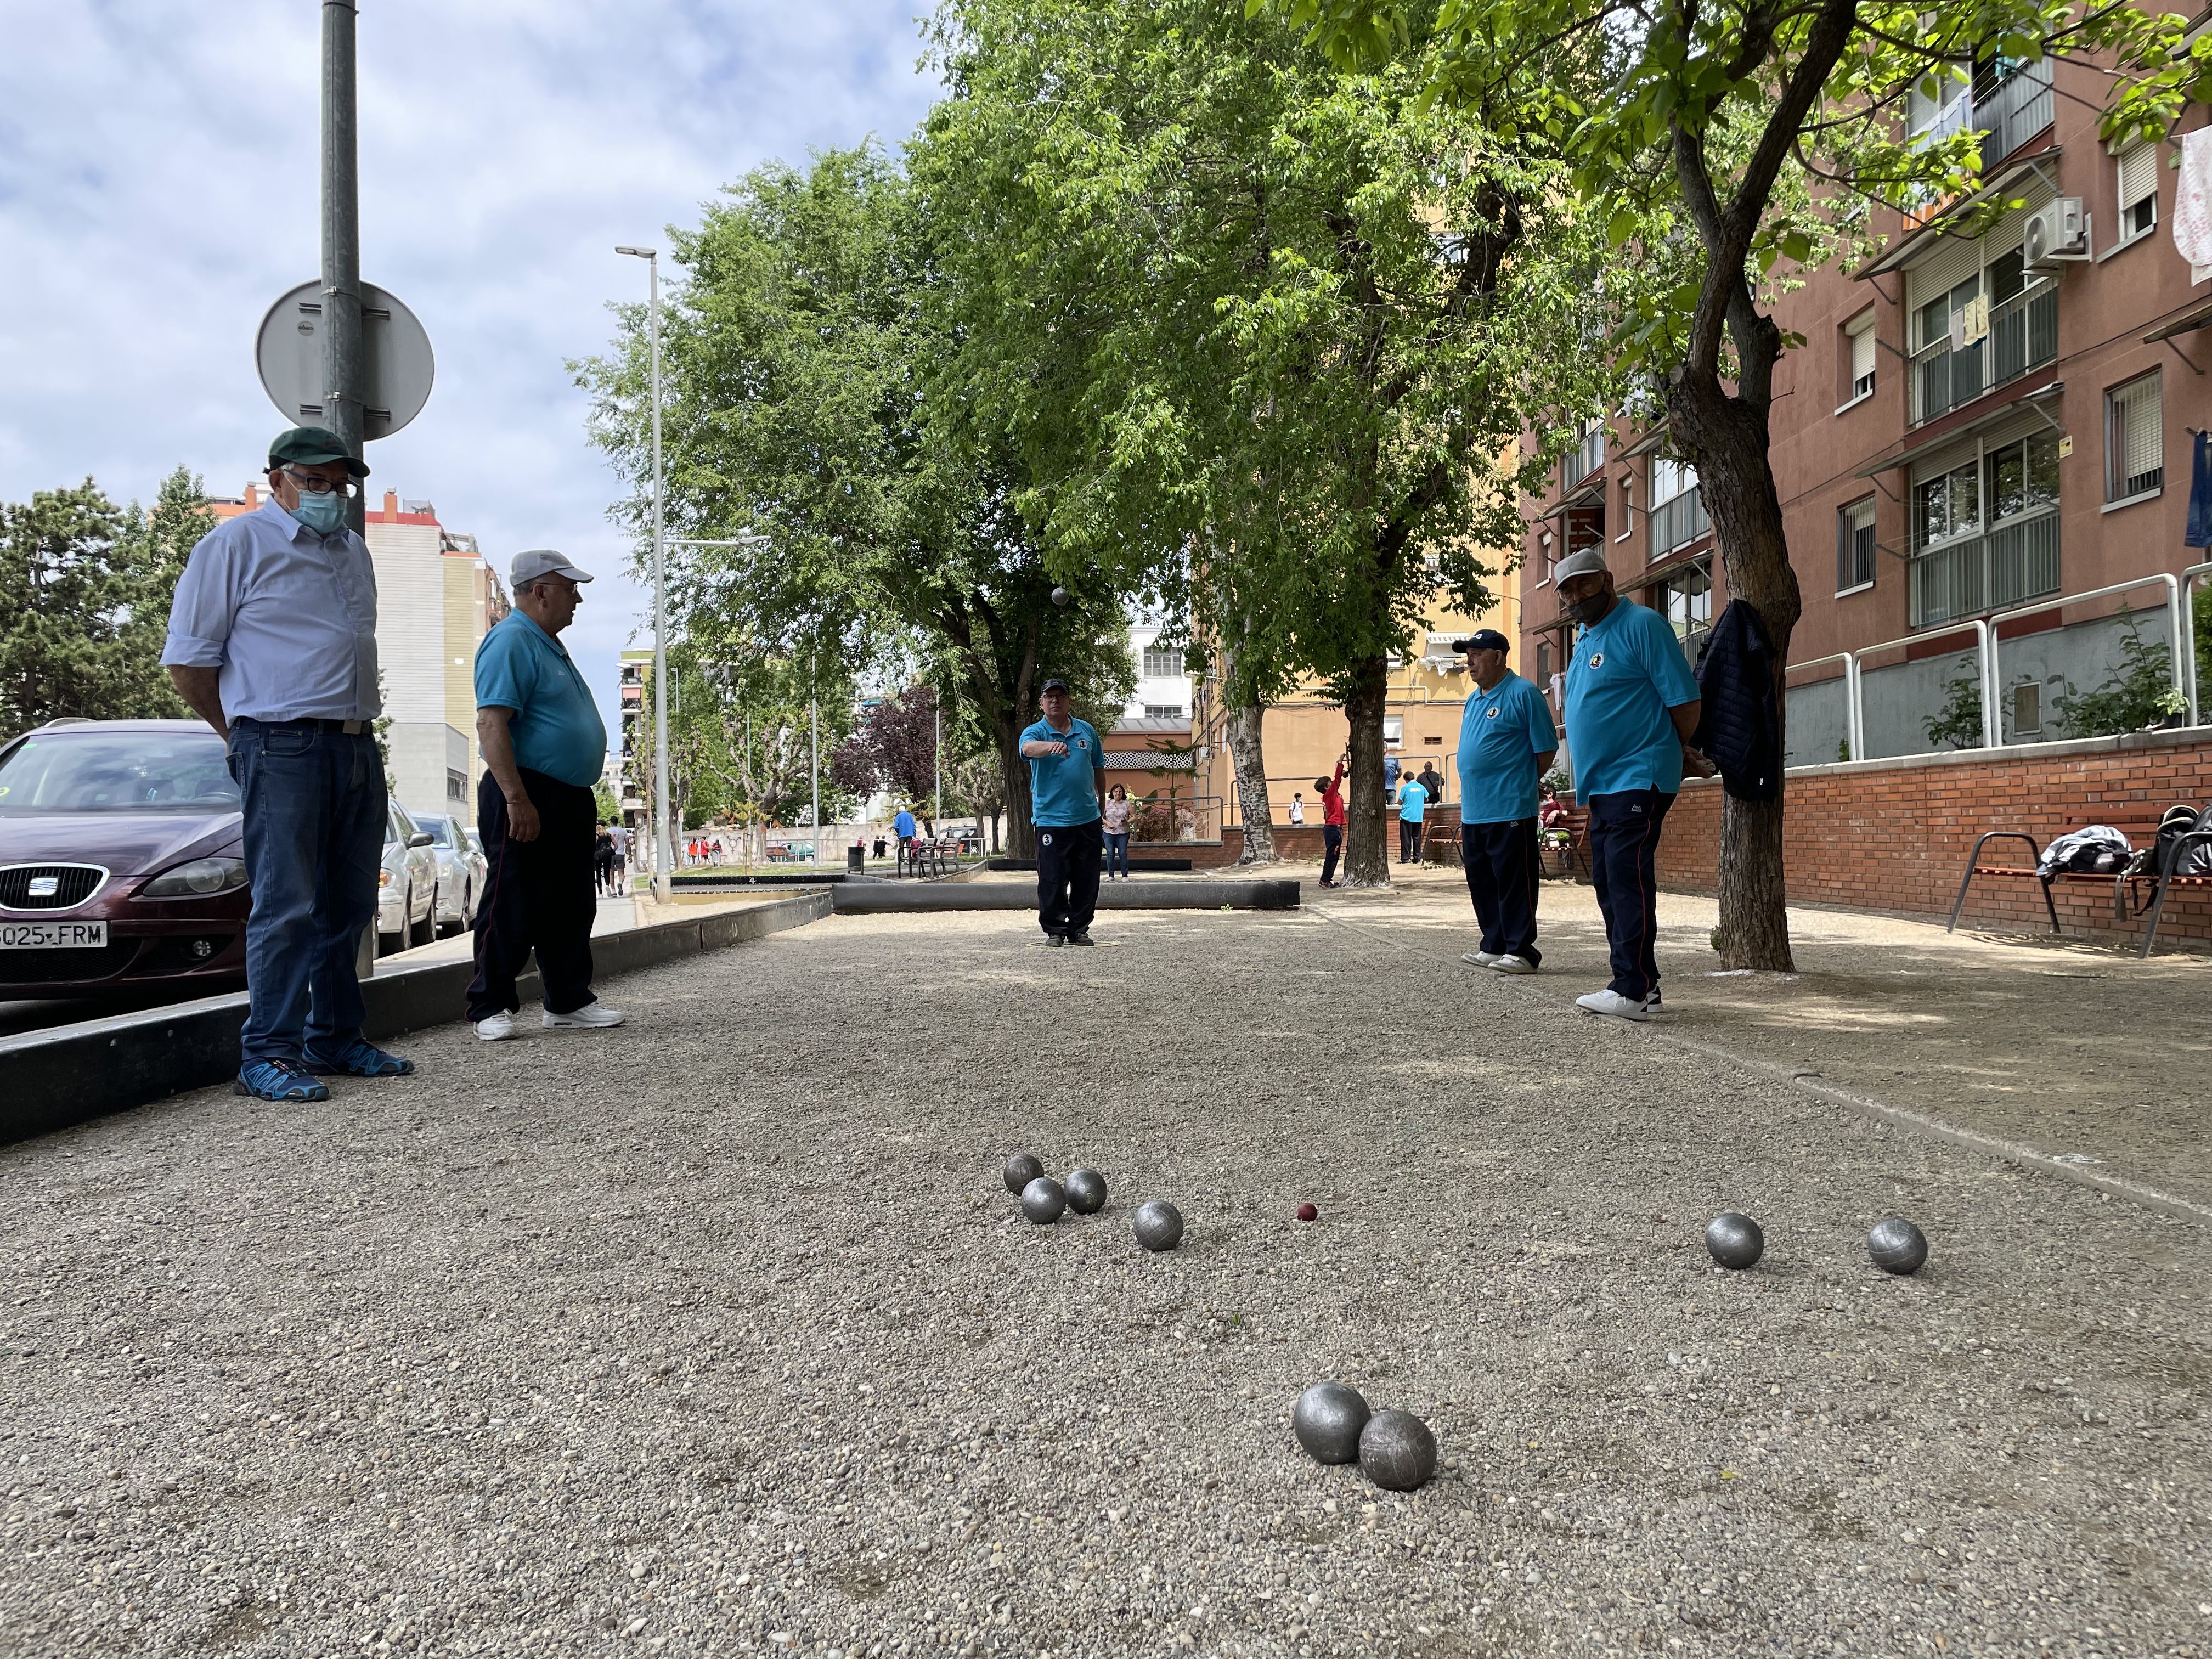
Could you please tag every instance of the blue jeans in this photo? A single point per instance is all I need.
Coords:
(315, 813)
(1117, 851)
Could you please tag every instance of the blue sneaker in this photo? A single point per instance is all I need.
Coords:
(278, 1080)
(361, 1058)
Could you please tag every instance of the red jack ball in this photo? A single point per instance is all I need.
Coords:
(1307, 1212)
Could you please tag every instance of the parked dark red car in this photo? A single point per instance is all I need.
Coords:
(122, 864)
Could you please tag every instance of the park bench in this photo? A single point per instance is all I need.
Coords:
(2140, 831)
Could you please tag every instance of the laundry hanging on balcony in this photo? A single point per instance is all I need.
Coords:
(2192, 203)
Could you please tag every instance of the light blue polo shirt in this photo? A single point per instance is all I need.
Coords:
(1500, 735)
(1622, 677)
(1412, 800)
(1063, 788)
(556, 726)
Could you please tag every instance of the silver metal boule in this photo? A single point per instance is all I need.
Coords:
(1396, 1451)
(1061, 596)
(1158, 1225)
(1897, 1246)
(1021, 1169)
(1735, 1239)
(1086, 1191)
(1044, 1200)
(1328, 1422)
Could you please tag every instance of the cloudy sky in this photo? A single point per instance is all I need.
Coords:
(158, 190)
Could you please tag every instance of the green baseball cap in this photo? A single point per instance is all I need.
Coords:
(310, 445)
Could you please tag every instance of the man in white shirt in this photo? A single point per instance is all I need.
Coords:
(272, 640)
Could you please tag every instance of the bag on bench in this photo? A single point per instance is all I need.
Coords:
(2167, 856)
(2097, 850)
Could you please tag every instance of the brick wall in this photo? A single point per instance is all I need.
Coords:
(1895, 835)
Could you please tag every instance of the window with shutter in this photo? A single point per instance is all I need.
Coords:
(2138, 189)
(1863, 357)
(2135, 439)
(1854, 546)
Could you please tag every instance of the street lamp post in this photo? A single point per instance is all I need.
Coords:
(663, 850)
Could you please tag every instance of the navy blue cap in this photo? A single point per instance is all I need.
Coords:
(1485, 639)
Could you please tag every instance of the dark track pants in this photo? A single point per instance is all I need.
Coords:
(1409, 841)
(1623, 845)
(1501, 879)
(537, 895)
(1067, 876)
(1331, 843)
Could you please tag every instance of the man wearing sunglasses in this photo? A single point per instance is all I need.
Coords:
(272, 640)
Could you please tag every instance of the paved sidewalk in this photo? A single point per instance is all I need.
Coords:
(718, 1335)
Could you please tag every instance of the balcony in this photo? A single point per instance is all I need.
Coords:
(1677, 521)
(1585, 459)
(2023, 336)
(2012, 107)
(2014, 562)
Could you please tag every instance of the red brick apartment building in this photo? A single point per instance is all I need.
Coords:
(1975, 423)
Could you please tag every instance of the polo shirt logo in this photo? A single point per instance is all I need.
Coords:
(1597, 659)
(1083, 742)
(1491, 715)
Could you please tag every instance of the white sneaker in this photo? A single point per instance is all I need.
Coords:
(1481, 958)
(495, 1028)
(1513, 965)
(592, 1013)
(1652, 1003)
(1610, 1002)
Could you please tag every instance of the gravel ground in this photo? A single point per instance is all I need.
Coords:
(718, 1333)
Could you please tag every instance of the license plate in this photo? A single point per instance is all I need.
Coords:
(52, 935)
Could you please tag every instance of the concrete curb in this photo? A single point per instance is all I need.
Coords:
(73, 1073)
(1117, 896)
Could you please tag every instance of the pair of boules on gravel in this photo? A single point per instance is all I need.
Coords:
(1394, 1449)
(1736, 1242)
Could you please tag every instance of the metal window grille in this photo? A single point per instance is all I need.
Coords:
(1855, 546)
(2134, 440)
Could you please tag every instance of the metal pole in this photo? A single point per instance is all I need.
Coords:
(937, 751)
(814, 736)
(664, 849)
(342, 364)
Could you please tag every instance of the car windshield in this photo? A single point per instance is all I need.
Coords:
(442, 830)
(107, 771)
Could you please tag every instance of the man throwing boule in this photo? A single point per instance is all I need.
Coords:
(1067, 787)
(1506, 743)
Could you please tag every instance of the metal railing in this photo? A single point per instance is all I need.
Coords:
(2013, 109)
(1985, 681)
(1585, 457)
(2189, 633)
(2175, 636)
(2002, 567)
(2023, 336)
(1677, 521)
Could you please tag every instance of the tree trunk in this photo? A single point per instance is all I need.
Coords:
(1251, 768)
(1014, 776)
(1366, 831)
(1727, 437)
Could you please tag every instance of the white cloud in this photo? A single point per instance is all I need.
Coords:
(159, 178)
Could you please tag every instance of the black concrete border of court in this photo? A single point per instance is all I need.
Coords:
(1274, 894)
(68, 1074)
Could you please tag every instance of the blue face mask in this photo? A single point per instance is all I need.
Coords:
(320, 513)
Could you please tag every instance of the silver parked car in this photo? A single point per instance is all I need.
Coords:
(460, 870)
(406, 886)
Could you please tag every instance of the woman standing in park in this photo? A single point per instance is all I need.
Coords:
(1116, 813)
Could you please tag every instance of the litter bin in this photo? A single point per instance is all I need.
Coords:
(855, 856)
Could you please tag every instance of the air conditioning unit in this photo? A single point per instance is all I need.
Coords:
(2057, 233)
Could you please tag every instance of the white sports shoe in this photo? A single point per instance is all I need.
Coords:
(495, 1028)
(1481, 958)
(1510, 964)
(596, 1014)
(1610, 1002)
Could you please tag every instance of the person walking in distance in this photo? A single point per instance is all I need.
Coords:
(272, 642)
(1331, 791)
(1506, 743)
(1412, 803)
(603, 860)
(1297, 809)
(544, 745)
(1067, 787)
(1631, 706)
(1114, 817)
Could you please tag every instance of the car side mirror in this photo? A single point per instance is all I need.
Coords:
(420, 838)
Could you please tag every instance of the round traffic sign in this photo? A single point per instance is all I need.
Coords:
(396, 363)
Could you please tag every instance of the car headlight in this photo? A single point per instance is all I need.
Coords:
(384, 878)
(197, 879)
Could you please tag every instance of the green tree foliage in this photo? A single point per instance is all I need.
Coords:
(1258, 333)
(2140, 693)
(1726, 145)
(84, 602)
(804, 402)
(740, 741)
(1958, 723)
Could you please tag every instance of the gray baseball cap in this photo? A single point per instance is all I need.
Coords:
(542, 562)
(1587, 563)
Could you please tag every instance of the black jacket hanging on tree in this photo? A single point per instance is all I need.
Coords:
(1738, 724)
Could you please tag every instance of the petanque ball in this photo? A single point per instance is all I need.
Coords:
(1059, 596)
(1328, 1422)
(1396, 1451)
(1044, 1200)
(1897, 1246)
(1021, 1169)
(1307, 1212)
(1086, 1191)
(1158, 1225)
(1735, 1239)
